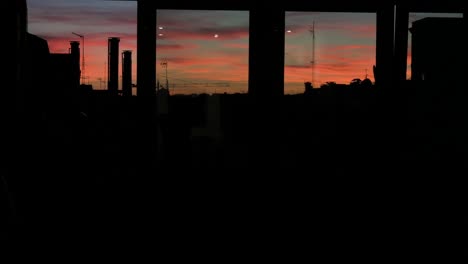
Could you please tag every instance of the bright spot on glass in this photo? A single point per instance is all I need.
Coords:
(216, 35)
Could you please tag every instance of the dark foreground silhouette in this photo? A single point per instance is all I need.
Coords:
(310, 172)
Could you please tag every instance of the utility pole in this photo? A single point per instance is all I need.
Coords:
(83, 58)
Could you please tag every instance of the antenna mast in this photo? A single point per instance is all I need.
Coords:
(312, 62)
(164, 64)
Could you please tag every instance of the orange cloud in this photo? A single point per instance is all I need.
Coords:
(165, 47)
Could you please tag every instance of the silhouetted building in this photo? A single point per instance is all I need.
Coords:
(75, 61)
(34, 74)
(127, 73)
(437, 47)
(113, 65)
(43, 79)
(64, 76)
(308, 87)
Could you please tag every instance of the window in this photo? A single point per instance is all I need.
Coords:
(323, 47)
(202, 52)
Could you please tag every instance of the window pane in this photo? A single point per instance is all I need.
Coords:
(202, 51)
(341, 46)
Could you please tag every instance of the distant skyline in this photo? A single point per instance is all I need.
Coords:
(210, 46)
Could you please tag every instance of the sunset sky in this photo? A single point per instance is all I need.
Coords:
(210, 46)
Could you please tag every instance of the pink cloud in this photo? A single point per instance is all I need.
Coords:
(348, 48)
(359, 30)
(175, 47)
(209, 62)
(224, 33)
(92, 15)
(244, 46)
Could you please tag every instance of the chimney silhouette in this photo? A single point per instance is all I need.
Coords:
(75, 54)
(113, 65)
(127, 73)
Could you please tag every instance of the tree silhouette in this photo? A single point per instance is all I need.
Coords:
(328, 85)
(355, 83)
